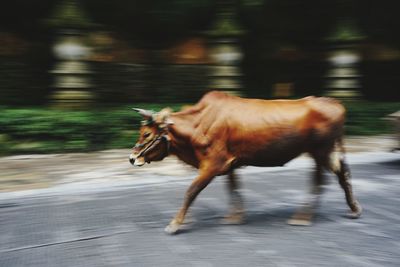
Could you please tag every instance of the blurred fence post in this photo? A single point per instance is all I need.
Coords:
(71, 72)
(343, 79)
(225, 51)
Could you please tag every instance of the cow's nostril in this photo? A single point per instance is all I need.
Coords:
(131, 160)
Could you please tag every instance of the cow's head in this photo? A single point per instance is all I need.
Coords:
(153, 143)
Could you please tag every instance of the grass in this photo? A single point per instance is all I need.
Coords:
(46, 130)
(368, 118)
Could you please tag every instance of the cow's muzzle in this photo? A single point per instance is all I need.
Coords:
(131, 159)
(136, 161)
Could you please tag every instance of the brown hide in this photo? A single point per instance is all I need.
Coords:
(222, 132)
(234, 131)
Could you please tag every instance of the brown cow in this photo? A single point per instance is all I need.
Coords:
(223, 132)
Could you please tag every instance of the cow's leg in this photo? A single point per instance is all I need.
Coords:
(341, 169)
(204, 178)
(235, 216)
(304, 215)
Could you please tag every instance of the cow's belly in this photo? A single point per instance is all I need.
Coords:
(270, 159)
(272, 153)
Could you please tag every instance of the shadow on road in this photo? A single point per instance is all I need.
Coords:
(269, 220)
(392, 163)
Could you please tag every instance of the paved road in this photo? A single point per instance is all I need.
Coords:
(121, 224)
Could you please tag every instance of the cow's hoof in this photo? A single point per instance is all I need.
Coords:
(355, 214)
(299, 222)
(172, 228)
(233, 219)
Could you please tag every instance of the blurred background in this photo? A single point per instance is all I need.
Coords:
(70, 70)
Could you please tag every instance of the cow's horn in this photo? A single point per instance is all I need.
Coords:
(145, 113)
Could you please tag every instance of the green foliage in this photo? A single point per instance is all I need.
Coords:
(369, 118)
(45, 130)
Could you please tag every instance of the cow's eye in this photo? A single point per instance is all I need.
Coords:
(146, 135)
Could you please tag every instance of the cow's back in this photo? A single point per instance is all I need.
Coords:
(253, 114)
(233, 112)
(271, 132)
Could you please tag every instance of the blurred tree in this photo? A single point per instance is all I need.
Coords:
(153, 23)
(25, 15)
(299, 22)
(284, 44)
(25, 51)
(379, 19)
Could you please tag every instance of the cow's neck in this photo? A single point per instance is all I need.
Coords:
(180, 134)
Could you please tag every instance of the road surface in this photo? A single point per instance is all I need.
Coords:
(120, 223)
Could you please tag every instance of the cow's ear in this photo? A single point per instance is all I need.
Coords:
(163, 117)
